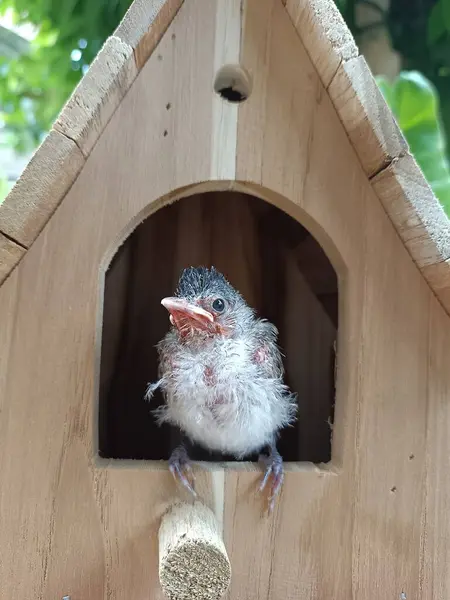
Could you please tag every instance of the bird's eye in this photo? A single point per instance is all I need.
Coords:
(218, 305)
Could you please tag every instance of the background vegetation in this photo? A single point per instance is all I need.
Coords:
(38, 75)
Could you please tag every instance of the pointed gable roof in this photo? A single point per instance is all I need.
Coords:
(382, 150)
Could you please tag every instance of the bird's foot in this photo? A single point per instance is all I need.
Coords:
(179, 466)
(274, 470)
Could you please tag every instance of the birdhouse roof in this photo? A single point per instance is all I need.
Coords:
(379, 145)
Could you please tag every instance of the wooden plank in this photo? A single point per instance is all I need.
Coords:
(324, 34)
(98, 94)
(8, 297)
(226, 52)
(282, 105)
(52, 532)
(144, 24)
(367, 119)
(394, 373)
(10, 255)
(346, 535)
(234, 227)
(280, 557)
(40, 189)
(438, 277)
(287, 130)
(308, 362)
(436, 513)
(315, 266)
(414, 211)
(379, 144)
(419, 220)
(75, 529)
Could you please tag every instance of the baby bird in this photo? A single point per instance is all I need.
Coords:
(221, 375)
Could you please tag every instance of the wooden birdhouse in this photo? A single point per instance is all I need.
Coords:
(248, 135)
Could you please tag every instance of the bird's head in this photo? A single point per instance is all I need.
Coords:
(206, 304)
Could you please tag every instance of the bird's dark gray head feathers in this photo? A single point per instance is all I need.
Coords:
(200, 282)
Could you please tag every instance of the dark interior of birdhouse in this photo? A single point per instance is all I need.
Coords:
(281, 271)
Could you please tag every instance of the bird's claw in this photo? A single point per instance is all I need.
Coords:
(274, 469)
(179, 466)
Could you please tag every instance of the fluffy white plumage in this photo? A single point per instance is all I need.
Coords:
(226, 392)
(221, 375)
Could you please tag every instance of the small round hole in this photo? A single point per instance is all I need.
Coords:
(393, 489)
(232, 83)
(168, 106)
(165, 133)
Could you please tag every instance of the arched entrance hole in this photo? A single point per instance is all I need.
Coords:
(280, 269)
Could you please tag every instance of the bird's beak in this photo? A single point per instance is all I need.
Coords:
(183, 313)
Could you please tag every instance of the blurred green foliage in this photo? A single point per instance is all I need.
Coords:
(35, 85)
(4, 187)
(415, 104)
(420, 97)
(420, 31)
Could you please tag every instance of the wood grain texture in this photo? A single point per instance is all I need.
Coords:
(368, 120)
(393, 375)
(144, 24)
(193, 561)
(98, 94)
(287, 130)
(40, 189)
(371, 548)
(435, 518)
(306, 363)
(99, 540)
(414, 211)
(8, 318)
(374, 133)
(419, 220)
(74, 524)
(438, 277)
(324, 34)
(10, 255)
(226, 52)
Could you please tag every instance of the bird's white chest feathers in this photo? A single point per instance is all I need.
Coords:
(220, 397)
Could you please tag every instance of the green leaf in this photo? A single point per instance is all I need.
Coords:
(415, 104)
(415, 100)
(446, 13)
(436, 26)
(386, 89)
(35, 85)
(342, 4)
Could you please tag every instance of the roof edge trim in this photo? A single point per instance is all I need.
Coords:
(382, 150)
(57, 162)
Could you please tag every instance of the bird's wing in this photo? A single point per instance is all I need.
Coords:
(151, 389)
(165, 354)
(267, 354)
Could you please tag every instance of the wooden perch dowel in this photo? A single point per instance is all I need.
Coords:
(193, 561)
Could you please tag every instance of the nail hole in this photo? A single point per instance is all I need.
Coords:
(232, 83)
(393, 489)
(173, 36)
(411, 457)
(165, 133)
(159, 57)
(168, 106)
